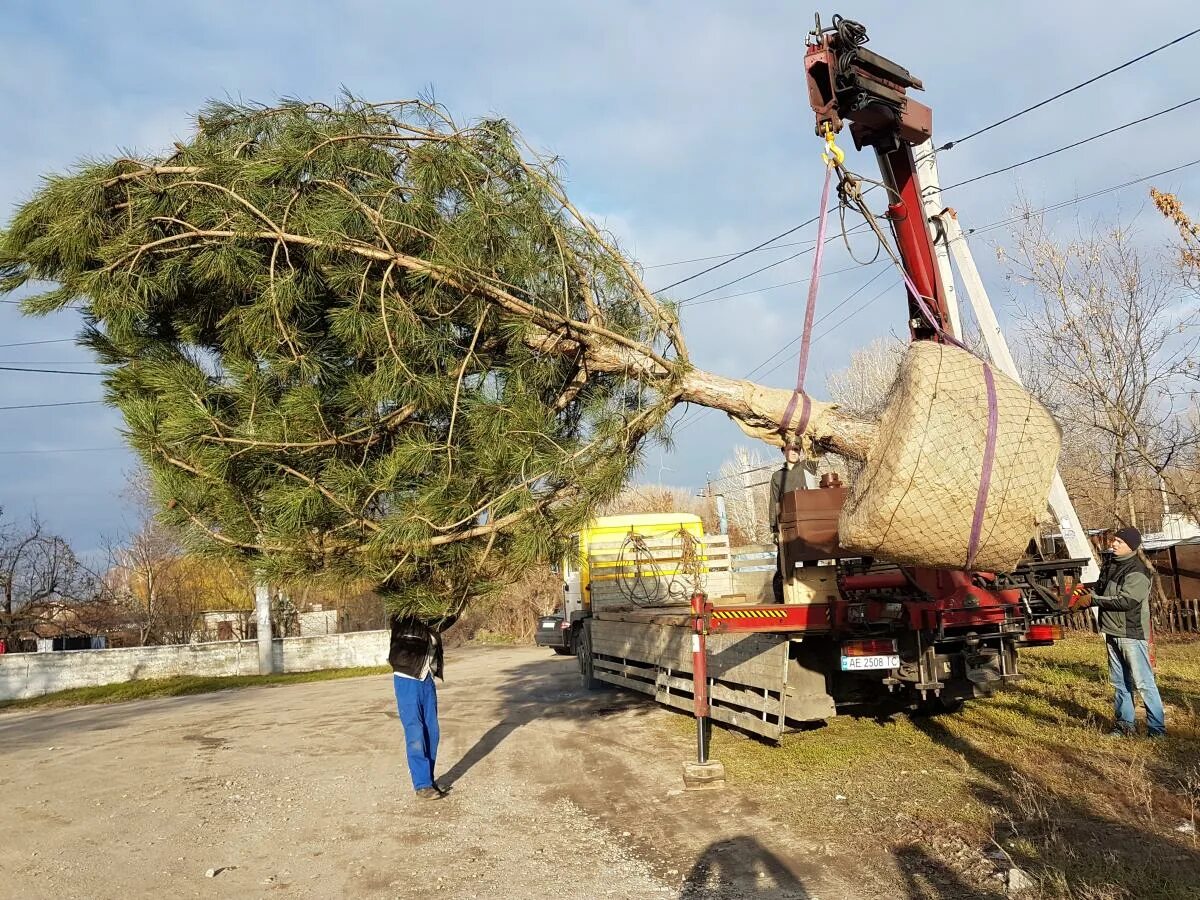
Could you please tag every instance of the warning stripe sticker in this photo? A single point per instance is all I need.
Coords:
(749, 614)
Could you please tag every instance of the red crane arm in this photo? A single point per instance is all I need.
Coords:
(848, 83)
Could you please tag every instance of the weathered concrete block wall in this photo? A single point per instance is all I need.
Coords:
(33, 674)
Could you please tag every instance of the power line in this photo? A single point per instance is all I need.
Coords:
(698, 259)
(979, 230)
(49, 371)
(735, 258)
(1093, 195)
(862, 287)
(1069, 90)
(689, 422)
(64, 450)
(1033, 159)
(833, 237)
(32, 343)
(683, 303)
(773, 287)
(947, 146)
(45, 405)
(841, 321)
(951, 144)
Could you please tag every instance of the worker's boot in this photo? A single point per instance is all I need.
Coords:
(429, 793)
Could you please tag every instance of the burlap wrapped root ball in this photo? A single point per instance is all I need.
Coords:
(915, 500)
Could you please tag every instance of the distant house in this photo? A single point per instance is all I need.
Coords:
(72, 642)
(1175, 552)
(226, 625)
(319, 620)
(44, 627)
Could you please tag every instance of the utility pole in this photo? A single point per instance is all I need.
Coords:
(262, 608)
(748, 489)
(718, 500)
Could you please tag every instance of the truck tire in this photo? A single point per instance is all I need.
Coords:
(583, 653)
(563, 651)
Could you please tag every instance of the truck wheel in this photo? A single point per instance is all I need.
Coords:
(564, 651)
(583, 653)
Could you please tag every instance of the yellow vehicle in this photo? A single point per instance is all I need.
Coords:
(579, 573)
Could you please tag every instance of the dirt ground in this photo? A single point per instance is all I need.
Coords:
(302, 791)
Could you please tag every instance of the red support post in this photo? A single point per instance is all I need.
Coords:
(700, 612)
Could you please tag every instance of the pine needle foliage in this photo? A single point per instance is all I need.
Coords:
(325, 327)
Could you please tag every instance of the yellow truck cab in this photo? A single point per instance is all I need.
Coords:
(559, 630)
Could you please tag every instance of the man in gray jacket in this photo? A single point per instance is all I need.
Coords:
(1123, 596)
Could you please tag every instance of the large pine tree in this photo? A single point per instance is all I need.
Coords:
(361, 341)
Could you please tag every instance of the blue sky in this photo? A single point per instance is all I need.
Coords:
(684, 127)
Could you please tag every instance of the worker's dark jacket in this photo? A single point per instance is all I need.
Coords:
(1123, 595)
(411, 640)
(784, 481)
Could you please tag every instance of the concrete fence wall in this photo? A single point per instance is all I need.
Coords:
(33, 674)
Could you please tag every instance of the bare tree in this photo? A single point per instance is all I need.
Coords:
(745, 483)
(147, 576)
(1112, 350)
(862, 386)
(47, 590)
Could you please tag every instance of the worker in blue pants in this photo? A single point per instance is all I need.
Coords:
(416, 658)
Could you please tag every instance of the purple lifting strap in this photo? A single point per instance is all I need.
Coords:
(814, 285)
(989, 456)
(989, 451)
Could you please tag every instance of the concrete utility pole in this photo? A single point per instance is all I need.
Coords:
(748, 494)
(262, 607)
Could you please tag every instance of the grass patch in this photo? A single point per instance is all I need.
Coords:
(178, 687)
(1028, 774)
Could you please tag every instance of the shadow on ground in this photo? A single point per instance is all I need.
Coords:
(543, 689)
(925, 878)
(741, 867)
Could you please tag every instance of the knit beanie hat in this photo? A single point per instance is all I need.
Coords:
(1130, 536)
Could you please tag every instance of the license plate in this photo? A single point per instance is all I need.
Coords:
(857, 663)
(548, 624)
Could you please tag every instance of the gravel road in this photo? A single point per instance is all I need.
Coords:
(302, 791)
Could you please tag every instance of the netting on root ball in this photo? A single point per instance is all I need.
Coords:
(931, 493)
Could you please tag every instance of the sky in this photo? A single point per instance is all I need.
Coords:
(684, 128)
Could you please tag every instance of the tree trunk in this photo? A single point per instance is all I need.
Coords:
(759, 411)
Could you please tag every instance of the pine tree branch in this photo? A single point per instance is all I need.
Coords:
(331, 497)
(501, 298)
(147, 171)
(458, 389)
(395, 418)
(228, 541)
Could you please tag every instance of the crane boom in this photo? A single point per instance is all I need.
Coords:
(848, 84)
